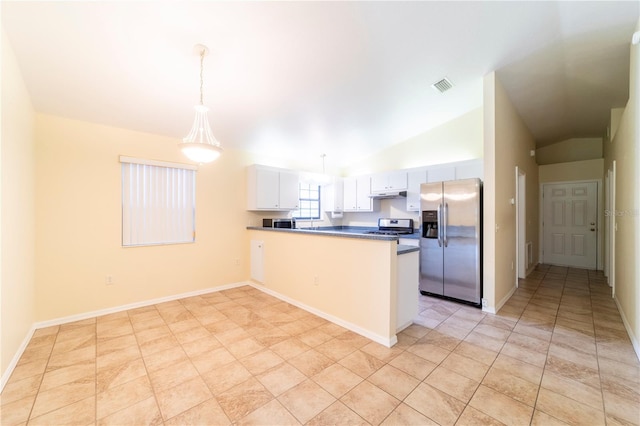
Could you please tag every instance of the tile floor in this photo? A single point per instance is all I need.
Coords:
(557, 353)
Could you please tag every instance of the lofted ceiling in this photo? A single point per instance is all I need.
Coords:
(301, 79)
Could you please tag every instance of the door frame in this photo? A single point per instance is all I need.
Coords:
(599, 215)
(611, 230)
(521, 224)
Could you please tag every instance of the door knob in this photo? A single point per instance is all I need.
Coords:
(593, 229)
(593, 223)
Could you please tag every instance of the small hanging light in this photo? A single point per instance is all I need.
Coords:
(200, 145)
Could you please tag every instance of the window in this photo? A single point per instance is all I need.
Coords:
(158, 202)
(309, 202)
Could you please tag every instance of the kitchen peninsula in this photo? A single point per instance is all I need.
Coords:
(365, 283)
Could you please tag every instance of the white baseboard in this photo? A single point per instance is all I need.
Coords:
(14, 361)
(386, 341)
(78, 317)
(627, 326)
(501, 303)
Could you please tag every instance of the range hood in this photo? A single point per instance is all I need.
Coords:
(389, 194)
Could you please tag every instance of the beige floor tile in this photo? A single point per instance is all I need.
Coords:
(442, 339)
(436, 405)
(208, 361)
(113, 329)
(193, 334)
(82, 412)
(206, 413)
(484, 341)
(361, 363)
(289, 348)
(568, 410)
(337, 414)
(230, 333)
(165, 358)
(337, 380)
(16, 390)
(622, 409)
(413, 365)
(574, 356)
(119, 357)
(158, 345)
(224, 378)
(394, 381)
(381, 352)
(182, 397)
(16, 412)
(105, 346)
(306, 400)
(108, 378)
(472, 417)
(244, 347)
(543, 419)
(123, 396)
(271, 337)
(370, 402)
(64, 375)
(145, 412)
(281, 378)
(512, 386)
(183, 326)
(466, 367)
(66, 359)
(430, 352)
(518, 368)
(172, 375)
(405, 415)
(572, 389)
(619, 369)
(501, 407)
(61, 396)
(475, 352)
(314, 337)
(452, 383)
(529, 356)
(310, 362)
(336, 349)
(620, 387)
(261, 361)
(243, 399)
(570, 370)
(273, 413)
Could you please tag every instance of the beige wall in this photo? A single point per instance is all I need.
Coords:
(507, 143)
(576, 170)
(79, 222)
(457, 140)
(624, 149)
(577, 149)
(359, 287)
(17, 192)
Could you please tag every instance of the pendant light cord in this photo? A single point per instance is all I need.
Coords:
(201, 79)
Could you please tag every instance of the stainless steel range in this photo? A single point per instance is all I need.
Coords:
(393, 227)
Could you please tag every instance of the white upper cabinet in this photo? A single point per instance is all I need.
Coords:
(470, 169)
(414, 179)
(389, 181)
(271, 189)
(333, 196)
(356, 194)
(440, 174)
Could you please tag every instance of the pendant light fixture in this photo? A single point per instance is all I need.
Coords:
(200, 145)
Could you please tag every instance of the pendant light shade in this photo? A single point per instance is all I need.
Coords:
(200, 145)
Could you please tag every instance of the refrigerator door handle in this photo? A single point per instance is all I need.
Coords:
(445, 224)
(439, 225)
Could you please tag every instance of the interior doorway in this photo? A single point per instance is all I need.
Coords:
(570, 224)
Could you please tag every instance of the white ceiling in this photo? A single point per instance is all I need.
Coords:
(300, 79)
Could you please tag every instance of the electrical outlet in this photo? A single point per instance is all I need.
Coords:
(237, 262)
(108, 280)
(484, 303)
(316, 280)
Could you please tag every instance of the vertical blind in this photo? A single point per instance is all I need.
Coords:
(158, 202)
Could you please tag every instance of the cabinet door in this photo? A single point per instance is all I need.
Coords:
(289, 190)
(350, 195)
(363, 190)
(470, 169)
(397, 180)
(414, 178)
(441, 174)
(380, 182)
(267, 189)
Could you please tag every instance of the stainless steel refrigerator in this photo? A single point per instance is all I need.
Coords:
(451, 240)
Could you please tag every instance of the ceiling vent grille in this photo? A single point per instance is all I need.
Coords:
(442, 85)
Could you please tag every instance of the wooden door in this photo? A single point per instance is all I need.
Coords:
(570, 224)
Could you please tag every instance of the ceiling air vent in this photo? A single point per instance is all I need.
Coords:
(442, 85)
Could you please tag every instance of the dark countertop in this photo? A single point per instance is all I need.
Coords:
(347, 232)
